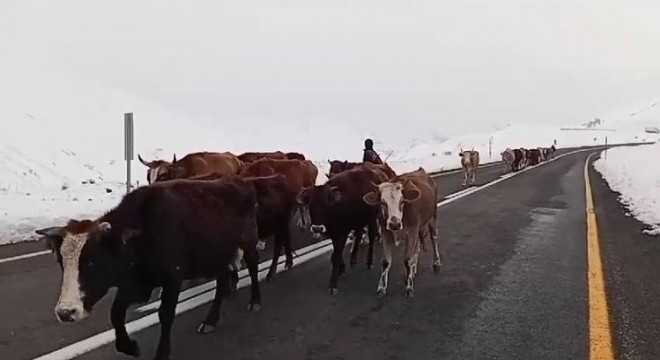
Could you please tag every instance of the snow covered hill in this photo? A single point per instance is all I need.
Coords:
(61, 144)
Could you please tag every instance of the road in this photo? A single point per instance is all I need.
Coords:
(513, 285)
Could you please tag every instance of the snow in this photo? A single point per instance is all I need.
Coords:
(638, 184)
(61, 143)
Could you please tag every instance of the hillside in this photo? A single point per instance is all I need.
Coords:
(62, 156)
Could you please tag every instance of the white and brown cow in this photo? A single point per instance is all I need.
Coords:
(470, 163)
(509, 158)
(409, 212)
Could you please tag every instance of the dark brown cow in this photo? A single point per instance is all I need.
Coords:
(158, 236)
(250, 157)
(408, 211)
(336, 208)
(276, 205)
(337, 167)
(533, 157)
(295, 156)
(300, 173)
(198, 164)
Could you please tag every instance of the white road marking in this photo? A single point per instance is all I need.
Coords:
(96, 341)
(24, 256)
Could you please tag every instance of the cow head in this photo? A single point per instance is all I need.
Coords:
(392, 196)
(89, 263)
(319, 199)
(336, 167)
(156, 168)
(465, 157)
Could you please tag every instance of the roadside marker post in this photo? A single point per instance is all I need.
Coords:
(128, 147)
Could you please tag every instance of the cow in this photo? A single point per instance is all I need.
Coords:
(551, 152)
(200, 163)
(250, 157)
(519, 159)
(336, 208)
(470, 163)
(295, 156)
(509, 158)
(276, 205)
(337, 166)
(408, 210)
(542, 152)
(158, 236)
(533, 157)
(300, 173)
(155, 167)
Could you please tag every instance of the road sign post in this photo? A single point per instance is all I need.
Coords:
(128, 147)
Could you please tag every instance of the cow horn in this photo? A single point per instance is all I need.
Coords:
(142, 160)
(329, 162)
(174, 158)
(50, 231)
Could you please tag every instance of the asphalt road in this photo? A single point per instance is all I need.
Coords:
(512, 286)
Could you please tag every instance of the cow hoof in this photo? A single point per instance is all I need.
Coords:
(333, 291)
(370, 266)
(269, 276)
(436, 267)
(381, 293)
(205, 328)
(353, 263)
(254, 307)
(288, 265)
(410, 293)
(130, 348)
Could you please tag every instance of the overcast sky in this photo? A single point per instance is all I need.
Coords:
(396, 63)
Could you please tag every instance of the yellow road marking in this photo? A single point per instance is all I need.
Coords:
(600, 334)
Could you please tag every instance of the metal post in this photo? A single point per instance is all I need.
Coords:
(490, 147)
(605, 155)
(128, 147)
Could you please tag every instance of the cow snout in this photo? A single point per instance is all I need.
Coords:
(318, 229)
(67, 315)
(394, 224)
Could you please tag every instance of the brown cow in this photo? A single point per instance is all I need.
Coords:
(154, 167)
(470, 163)
(300, 173)
(408, 210)
(276, 204)
(198, 164)
(250, 157)
(295, 156)
(337, 167)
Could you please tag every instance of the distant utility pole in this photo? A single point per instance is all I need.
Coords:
(128, 147)
(490, 147)
(605, 155)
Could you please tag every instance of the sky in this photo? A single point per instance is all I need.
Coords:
(404, 66)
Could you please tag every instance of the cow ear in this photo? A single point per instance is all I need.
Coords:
(371, 198)
(460, 154)
(410, 192)
(51, 231)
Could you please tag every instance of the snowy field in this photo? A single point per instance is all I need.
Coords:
(61, 156)
(633, 172)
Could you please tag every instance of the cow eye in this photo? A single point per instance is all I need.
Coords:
(90, 264)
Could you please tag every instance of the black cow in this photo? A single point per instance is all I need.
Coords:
(336, 208)
(158, 236)
(534, 156)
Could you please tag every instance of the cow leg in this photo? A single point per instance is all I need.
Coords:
(282, 241)
(465, 176)
(123, 342)
(410, 262)
(338, 266)
(433, 235)
(474, 176)
(386, 263)
(221, 289)
(373, 235)
(356, 245)
(252, 260)
(166, 313)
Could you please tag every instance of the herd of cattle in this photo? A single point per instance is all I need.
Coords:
(202, 215)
